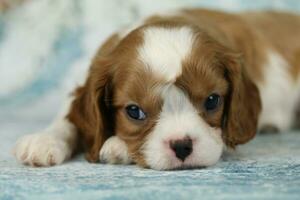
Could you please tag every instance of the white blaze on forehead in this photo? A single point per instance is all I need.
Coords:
(176, 104)
(164, 49)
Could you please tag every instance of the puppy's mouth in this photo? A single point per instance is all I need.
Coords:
(187, 164)
(185, 167)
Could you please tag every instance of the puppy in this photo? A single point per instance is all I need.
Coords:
(175, 90)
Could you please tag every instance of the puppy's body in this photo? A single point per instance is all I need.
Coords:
(171, 67)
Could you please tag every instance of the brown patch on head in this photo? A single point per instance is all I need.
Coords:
(214, 68)
(202, 76)
(116, 79)
(233, 31)
(92, 111)
(140, 87)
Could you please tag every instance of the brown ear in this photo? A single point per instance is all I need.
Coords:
(90, 111)
(242, 106)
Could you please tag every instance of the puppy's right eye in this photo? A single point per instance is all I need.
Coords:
(135, 112)
(212, 102)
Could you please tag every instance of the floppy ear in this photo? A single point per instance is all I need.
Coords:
(243, 105)
(91, 112)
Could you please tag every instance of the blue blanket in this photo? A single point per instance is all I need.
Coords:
(44, 40)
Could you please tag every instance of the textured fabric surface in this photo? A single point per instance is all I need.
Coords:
(266, 168)
(45, 45)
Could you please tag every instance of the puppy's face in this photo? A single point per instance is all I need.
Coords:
(171, 93)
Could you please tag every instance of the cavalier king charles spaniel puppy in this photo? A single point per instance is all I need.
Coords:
(176, 90)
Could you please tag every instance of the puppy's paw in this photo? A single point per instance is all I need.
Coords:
(114, 151)
(41, 150)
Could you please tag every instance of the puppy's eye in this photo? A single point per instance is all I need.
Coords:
(135, 112)
(212, 102)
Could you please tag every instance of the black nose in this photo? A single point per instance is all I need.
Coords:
(182, 148)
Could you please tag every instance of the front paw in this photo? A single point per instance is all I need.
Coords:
(41, 150)
(114, 151)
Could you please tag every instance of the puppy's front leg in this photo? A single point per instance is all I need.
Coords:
(49, 147)
(114, 151)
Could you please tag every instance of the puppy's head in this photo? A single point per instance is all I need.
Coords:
(174, 94)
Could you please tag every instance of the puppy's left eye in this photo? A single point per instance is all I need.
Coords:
(212, 102)
(135, 112)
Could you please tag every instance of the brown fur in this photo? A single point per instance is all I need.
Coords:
(89, 111)
(227, 58)
(279, 31)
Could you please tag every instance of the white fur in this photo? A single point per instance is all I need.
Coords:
(179, 118)
(278, 93)
(114, 151)
(164, 49)
(49, 147)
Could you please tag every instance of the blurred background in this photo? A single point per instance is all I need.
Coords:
(46, 44)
